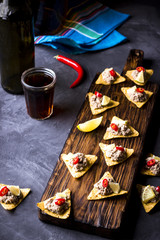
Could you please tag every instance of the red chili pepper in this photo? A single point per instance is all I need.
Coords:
(114, 126)
(76, 160)
(158, 189)
(140, 90)
(113, 73)
(105, 182)
(151, 163)
(59, 201)
(4, 191)
(119, 148)
(139, 69)
(98, 94)
(74, 65)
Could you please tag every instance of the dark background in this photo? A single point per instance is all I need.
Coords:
(30, 148)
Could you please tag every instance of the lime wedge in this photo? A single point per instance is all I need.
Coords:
(140, 77)
(148, 194)
(109, 147)
(61, 195)
(114, 186)
(15, 190)
(105, 100)
(157, 158)
(90, 125)
(120, 121)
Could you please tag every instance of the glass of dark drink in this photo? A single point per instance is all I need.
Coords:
(38, 85)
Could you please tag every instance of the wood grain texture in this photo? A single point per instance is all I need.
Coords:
(103, 217)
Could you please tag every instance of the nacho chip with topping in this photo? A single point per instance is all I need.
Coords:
(149, 73)
(96, 111)
(11, 206)
(109, 135)
(147, 171)
(138, 104)
(66, 214)
(118, 79)
(108, 160)
(94, 195)
(149, 205)
(91, 159)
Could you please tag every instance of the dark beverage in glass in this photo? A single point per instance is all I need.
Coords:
(16, 43)
(38, 85)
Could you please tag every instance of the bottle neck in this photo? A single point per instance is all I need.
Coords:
(5, 3)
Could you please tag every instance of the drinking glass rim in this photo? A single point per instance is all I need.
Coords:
(34, 70)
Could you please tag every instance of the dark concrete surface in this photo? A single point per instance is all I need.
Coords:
(29, 149)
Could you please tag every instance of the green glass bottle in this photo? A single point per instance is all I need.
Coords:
(16, 43)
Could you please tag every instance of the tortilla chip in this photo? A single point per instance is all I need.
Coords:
(108, 160)
(119, 79)
(146, 171)
(149, 74)
(91, 160)
(109, 135)
(111, 104)
(147, 206)
(65, 215)
(11, 206)
(138, 104)
(94, 193)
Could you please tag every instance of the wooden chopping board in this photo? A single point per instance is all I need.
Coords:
(102, 217)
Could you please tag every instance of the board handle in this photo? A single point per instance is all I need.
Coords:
(135, 59)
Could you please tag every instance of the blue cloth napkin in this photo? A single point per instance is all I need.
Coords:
(89, 29)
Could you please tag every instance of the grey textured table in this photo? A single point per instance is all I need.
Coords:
(29, 149)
